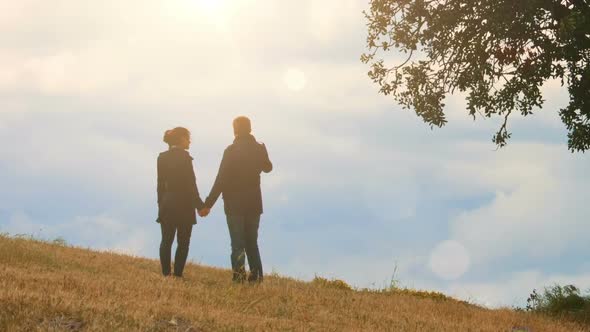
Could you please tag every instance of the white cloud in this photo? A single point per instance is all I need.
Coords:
(538, 209)
(101, 232)
(390, 193)
(358, 270)
(81, 153)
(19, 223)
(163, 53)
(329, 19)
(137, 243)
(514, 289)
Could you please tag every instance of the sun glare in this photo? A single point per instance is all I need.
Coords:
(449, 260)
(294, 79)
(213, 7)
(210, 4)
(217, 13)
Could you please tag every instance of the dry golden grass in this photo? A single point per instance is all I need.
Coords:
(48, 287)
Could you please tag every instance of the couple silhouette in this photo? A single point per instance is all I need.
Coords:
(238, 180)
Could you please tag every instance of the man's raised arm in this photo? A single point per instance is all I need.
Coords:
(266, 163)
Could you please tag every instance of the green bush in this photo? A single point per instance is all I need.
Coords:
(561, 301)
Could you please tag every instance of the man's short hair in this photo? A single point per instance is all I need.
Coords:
(242, 126)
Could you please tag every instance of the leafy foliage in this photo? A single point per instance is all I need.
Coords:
(499, 52)
(562, 301)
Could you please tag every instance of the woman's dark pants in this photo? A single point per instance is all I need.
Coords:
(183, 237)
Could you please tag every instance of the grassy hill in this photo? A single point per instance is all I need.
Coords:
(51, 287)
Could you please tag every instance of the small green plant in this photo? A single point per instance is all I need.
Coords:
(60, 241)
(334, 283)
(393, 282)
(274, 273)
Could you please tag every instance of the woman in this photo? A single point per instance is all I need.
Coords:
(178, 197)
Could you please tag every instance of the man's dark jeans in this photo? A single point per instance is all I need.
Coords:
(183, 238)
(243, 231)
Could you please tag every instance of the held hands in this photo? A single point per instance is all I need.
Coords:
(204, 212)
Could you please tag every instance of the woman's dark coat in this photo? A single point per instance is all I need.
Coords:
(178, 195)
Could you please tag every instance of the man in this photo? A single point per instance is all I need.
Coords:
(239, 181)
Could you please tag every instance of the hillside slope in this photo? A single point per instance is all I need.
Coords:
(51, 287)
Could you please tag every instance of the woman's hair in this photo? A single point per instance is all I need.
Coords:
(174, 136)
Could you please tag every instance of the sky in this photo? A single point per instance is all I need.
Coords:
(361, 190)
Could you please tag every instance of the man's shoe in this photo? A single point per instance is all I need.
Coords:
(254, 279)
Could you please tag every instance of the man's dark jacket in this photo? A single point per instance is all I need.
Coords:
(239, 177)
(178, 196)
